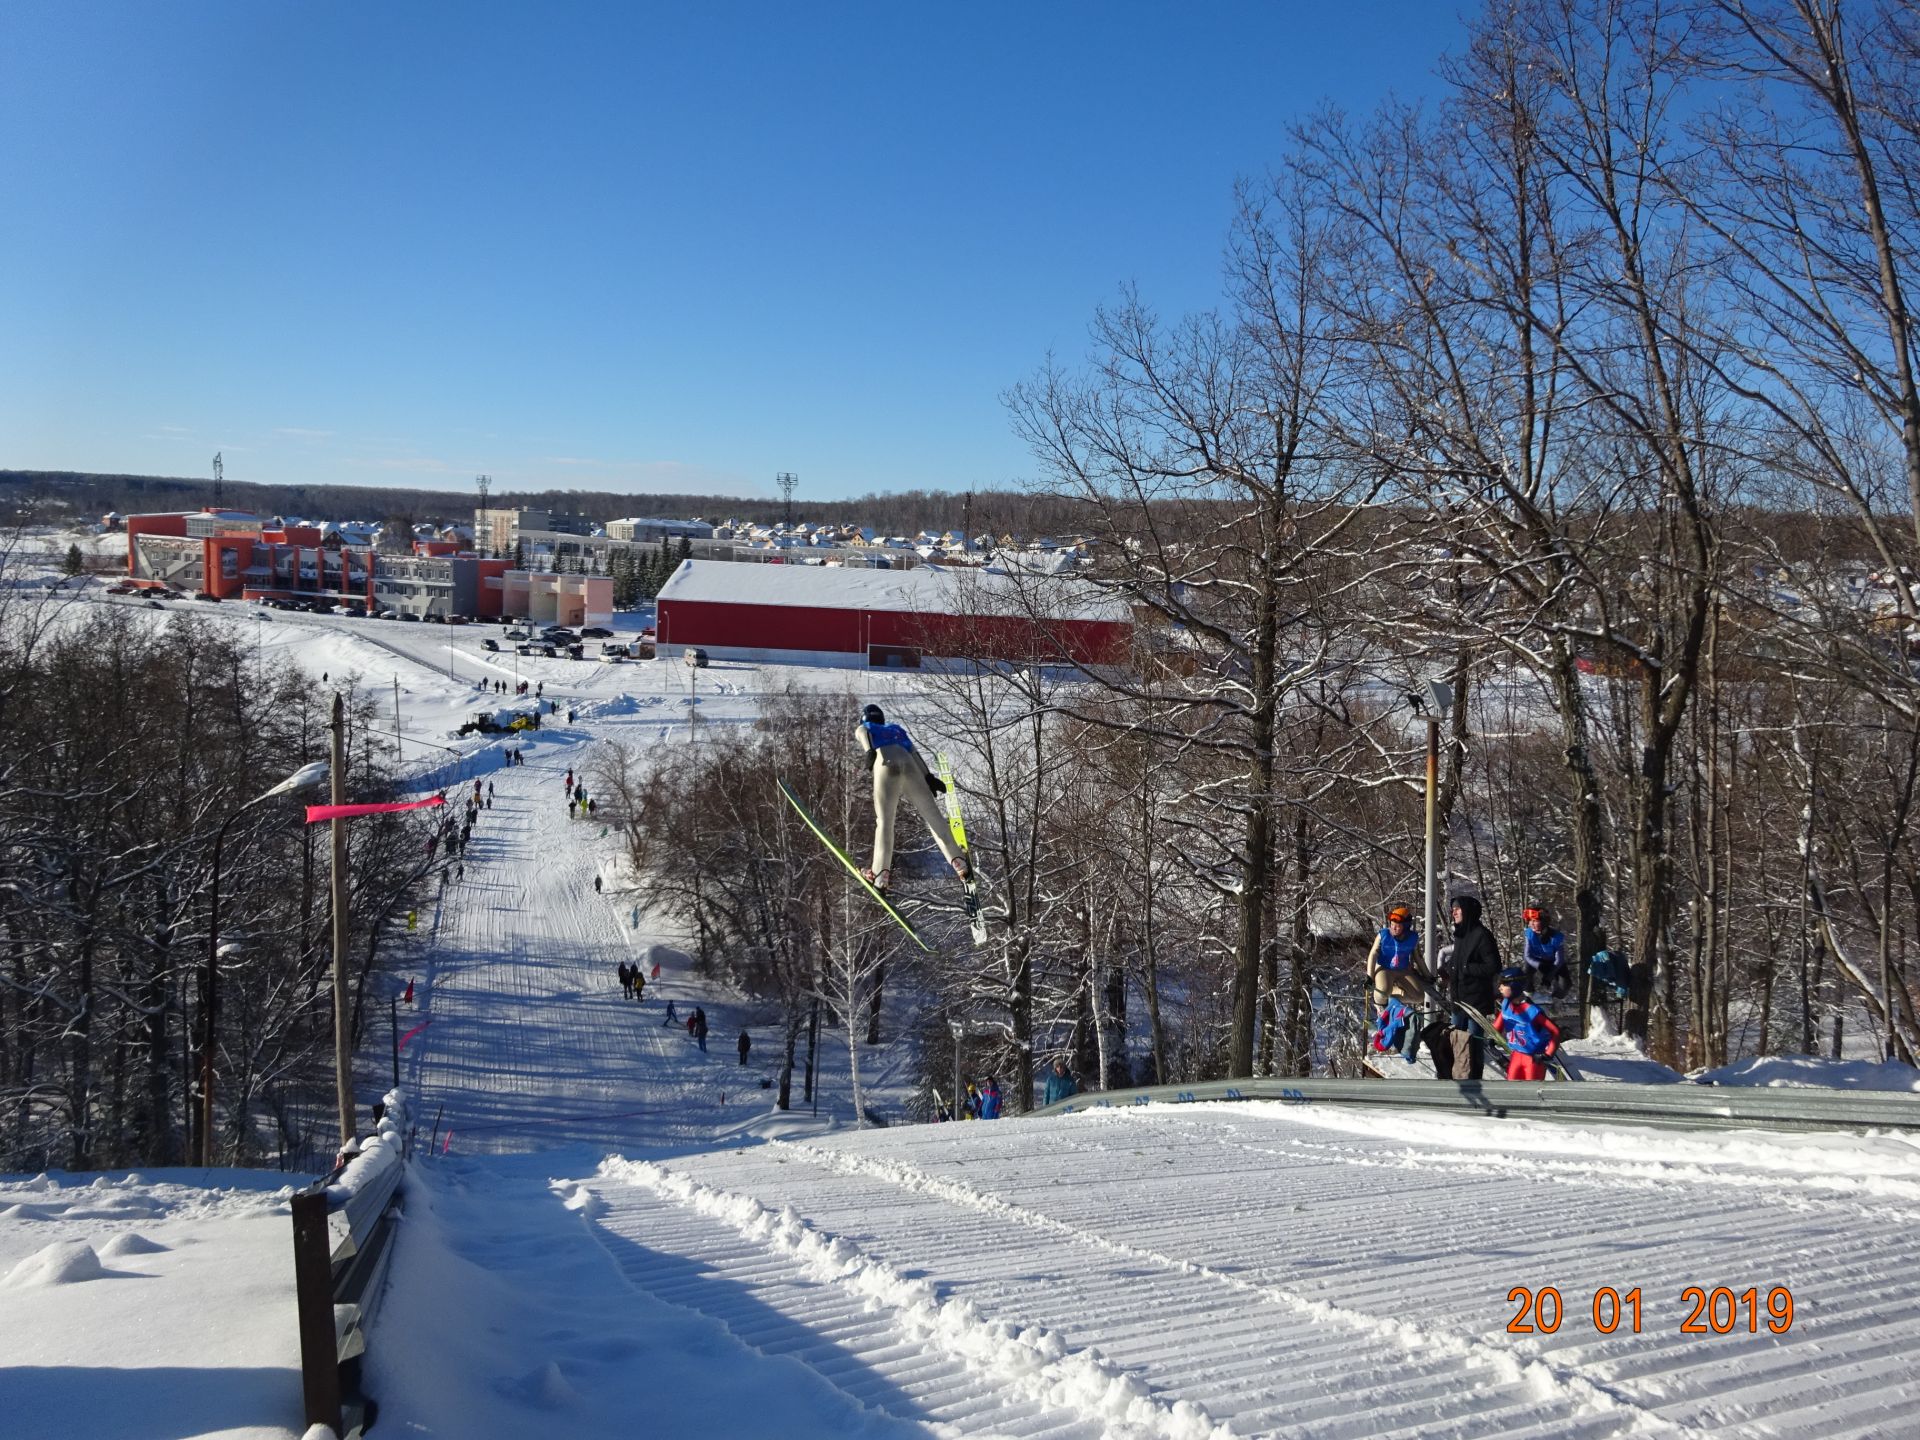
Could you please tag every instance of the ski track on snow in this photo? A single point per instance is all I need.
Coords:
(1658, 1382)
(969, 1373)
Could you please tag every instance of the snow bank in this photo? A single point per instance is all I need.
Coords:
(385, 1147)
(65, 1262)
(1789, 1071)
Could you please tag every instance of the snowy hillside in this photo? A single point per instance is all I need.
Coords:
(615, 1234)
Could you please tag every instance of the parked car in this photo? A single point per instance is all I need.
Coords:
(596, 632)
(519, 634)
(459, 620)
(409, 615)
(490, 644)
(559, 632)
(695, 657)
(155, 605)
(576, 651)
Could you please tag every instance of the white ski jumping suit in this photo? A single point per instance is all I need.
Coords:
(898, 770)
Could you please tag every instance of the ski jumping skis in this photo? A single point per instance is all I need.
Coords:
(852, 869)
(976, 919)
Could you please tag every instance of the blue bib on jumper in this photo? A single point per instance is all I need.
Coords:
(888, 734)
(1523, 1027)
(1397, 953)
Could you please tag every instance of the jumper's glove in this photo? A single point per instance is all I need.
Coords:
(872, 755)
(936, 785)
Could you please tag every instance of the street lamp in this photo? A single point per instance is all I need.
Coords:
(305, 778)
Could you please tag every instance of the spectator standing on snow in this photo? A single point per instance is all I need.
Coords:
(626, 979)
(700, 1028)
(970, 1107)
(1060, 1085)
(596, 884)
(990, 1099)
(1468, 978)
(639, 984)
(669, 1019)
(745, 1045)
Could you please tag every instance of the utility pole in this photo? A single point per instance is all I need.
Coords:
(786, 480)
(342, 1056)
(1437, 702)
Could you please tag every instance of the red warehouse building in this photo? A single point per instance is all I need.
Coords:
(829, 615)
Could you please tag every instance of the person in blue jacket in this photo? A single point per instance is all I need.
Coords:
(1545, 949)
(899, 771)
(990, 1099)
(1390, 963)
(1060, 1084)
(1531, 1035)
(1392, 970)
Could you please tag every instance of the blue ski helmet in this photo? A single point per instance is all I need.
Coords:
(1515, 980)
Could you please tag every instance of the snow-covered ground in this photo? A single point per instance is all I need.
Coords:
(617, 1235)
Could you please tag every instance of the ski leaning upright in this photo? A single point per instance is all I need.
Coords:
(976, 920)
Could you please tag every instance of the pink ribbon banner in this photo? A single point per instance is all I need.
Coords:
(317, 813)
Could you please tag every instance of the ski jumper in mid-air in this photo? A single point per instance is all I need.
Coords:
(898, 770)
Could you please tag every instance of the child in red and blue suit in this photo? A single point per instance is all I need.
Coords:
(1530, 1033)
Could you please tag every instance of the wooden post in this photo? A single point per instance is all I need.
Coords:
(313, 1288)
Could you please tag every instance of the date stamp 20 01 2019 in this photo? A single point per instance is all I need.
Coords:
(1719, 1311)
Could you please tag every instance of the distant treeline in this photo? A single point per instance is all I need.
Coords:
(34, 496)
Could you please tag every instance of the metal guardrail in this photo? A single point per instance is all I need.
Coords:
(1692, 1106)
(342, 1244)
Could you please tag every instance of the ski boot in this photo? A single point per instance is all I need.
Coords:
(878, 881)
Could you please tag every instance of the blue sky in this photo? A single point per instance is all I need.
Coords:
(625, 246)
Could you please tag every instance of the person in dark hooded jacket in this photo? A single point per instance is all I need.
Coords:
(1468, 975)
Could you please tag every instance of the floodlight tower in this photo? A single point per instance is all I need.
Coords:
(786, 480)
